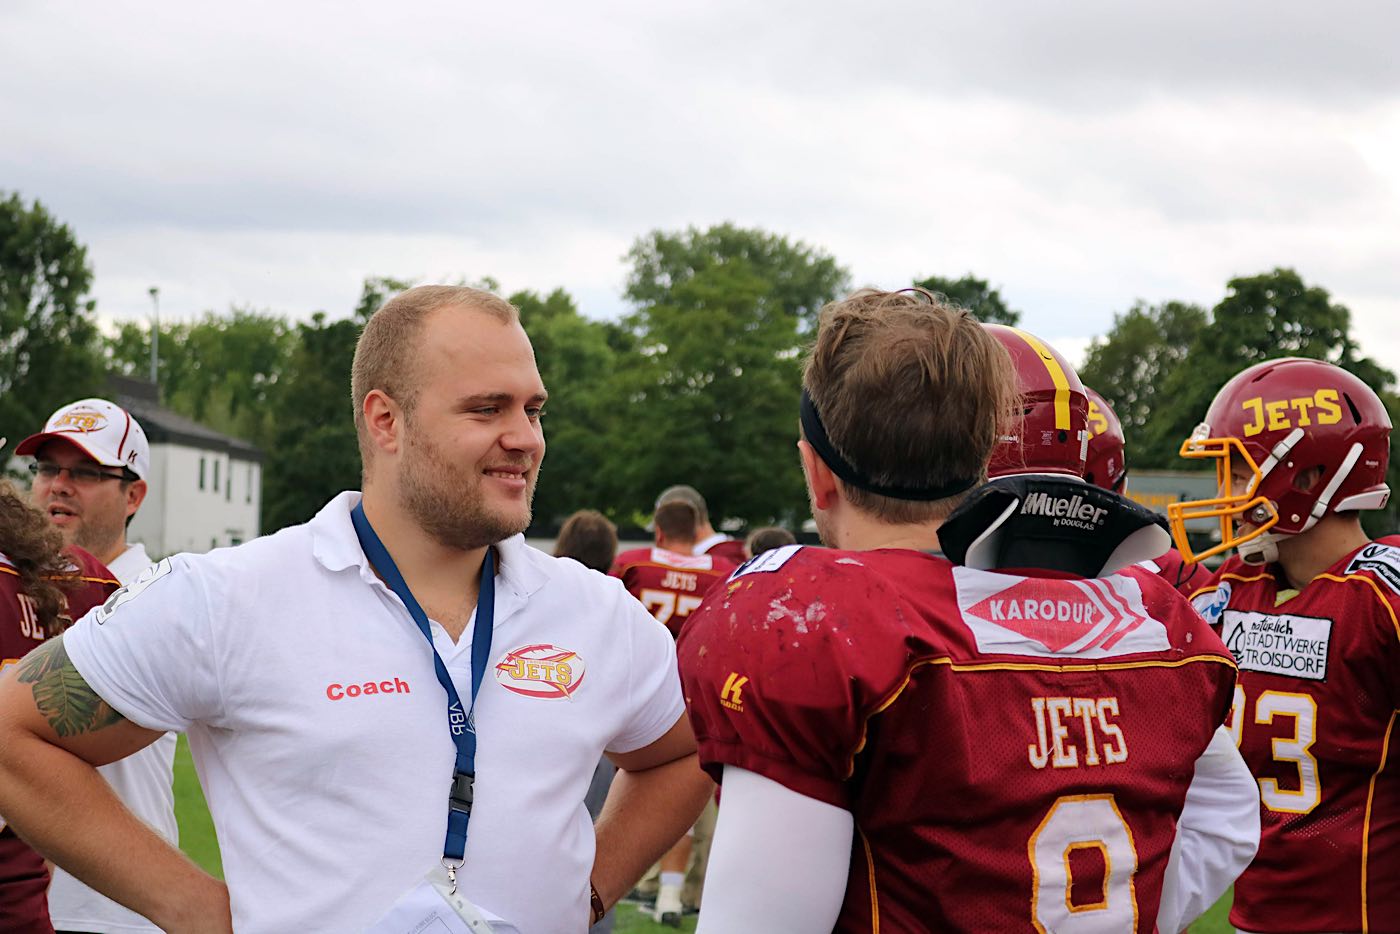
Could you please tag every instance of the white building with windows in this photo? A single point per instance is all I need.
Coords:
(205, 487)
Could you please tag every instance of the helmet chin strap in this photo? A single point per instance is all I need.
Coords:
(1261, 550)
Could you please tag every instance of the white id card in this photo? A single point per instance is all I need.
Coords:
(430, 907)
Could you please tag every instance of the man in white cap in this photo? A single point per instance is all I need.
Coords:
(90, 467)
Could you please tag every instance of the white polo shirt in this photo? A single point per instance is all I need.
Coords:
(320, 731)
(145, 783)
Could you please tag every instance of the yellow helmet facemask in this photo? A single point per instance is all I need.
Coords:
(1229, 454)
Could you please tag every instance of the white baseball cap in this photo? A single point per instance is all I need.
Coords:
(102, 430)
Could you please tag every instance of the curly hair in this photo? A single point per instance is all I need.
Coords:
(35, 548)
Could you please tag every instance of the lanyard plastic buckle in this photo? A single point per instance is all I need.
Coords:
(461, 795)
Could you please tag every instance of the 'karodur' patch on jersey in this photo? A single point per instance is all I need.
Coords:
(1381, 560)
(767, 562)
(1278, 644)
(1097, 618)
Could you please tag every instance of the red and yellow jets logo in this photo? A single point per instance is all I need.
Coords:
(81, 421)
(541, 670)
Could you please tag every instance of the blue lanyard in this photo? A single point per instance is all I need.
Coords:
(461, 723)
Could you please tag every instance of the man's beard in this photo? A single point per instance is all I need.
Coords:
(93, 533)
(448, 503)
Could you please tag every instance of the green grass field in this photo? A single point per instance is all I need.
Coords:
(198, 841)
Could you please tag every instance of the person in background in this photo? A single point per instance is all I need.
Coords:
(707, 540)
(1308, 604)
(671, 580)
(91, 464)
(766, 539)
(590, 538)
(1106, 466)
(42, 586)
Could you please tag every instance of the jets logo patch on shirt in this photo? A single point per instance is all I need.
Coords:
(541, 670)
(132, 590)
(1382, 561)
(1295, 646)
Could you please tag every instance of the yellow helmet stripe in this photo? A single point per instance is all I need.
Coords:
(1057, 376)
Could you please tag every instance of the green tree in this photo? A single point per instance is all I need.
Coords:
(974, 294)
(711, 396)
(799, 279)
(220, 370)
(1262, 317)
(1142, 352)
(577, 364)
(312, 452)
(49, 348)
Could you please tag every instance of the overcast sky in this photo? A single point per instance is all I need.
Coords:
(1079, 155)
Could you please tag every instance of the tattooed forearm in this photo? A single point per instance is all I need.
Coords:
(61, 694)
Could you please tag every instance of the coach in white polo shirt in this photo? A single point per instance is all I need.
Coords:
(90, 467)
(309, 694)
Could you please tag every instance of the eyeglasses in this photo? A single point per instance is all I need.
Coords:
(83, 474)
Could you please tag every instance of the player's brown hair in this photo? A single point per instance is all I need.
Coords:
(766, 539)
(678, 521)
(913, 392)
(387, 352)
(35, 548)
(589, 538)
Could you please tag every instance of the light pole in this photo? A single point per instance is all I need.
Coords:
(155, 338)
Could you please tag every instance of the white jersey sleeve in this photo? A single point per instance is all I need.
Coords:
(150, 650)
(779, 860)
(1217, 835)
(654, 697)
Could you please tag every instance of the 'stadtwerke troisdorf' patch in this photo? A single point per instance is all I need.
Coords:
(1277, 644)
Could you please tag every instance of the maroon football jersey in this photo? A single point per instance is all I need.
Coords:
(1186, 578)
(730, 549)
(669, 585)
(1314, 715)
(1014, 750)
(24, 880)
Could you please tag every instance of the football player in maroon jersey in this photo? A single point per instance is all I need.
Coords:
(707, 540)
(1309, 607)
(42, 589)
(1107, 467)
(671, 580)
(996, 739)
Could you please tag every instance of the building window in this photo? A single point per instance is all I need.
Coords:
(249, 498)
(216, 475)
(201, 473)
(228, 487)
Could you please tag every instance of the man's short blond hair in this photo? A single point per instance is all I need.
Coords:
(913, 392)
(387, 353)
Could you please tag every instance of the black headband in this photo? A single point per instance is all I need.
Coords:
(816, 435)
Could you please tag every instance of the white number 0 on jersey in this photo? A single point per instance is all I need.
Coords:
(1076, 822)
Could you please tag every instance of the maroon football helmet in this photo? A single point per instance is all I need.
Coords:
(1292, 440)
(1106, 466)
(1052, 436)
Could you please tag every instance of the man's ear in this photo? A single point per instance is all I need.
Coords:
(135, 496)
(383, 421)
(821, 482)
